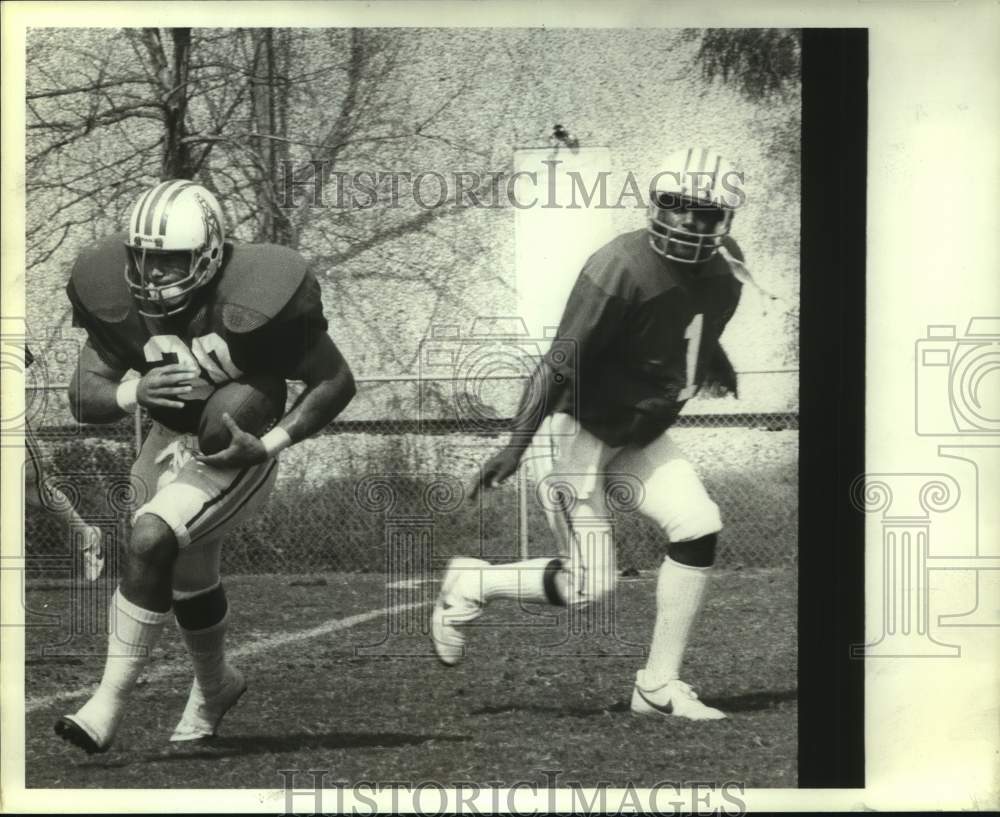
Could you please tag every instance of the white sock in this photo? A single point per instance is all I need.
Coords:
(680, 591)
(134, 633)
(206, 643)
(207, 650)
(521, 581)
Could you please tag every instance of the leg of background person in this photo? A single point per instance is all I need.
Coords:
(49, 498)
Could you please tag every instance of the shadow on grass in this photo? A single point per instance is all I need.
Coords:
(245, 745)
(561, 711)
(749, 702)
(753, 701)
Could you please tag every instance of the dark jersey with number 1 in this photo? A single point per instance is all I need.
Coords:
(261, 313)
(643, 336)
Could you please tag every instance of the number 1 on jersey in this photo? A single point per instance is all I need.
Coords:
(693, 337)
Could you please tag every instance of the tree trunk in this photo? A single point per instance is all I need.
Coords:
(270, 107)
(177, 161)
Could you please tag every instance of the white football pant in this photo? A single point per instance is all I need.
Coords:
(202, 504)
(576, 473)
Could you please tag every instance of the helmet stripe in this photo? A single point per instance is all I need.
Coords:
(139, 209)
(148, 206)
(703, 159)
(166, 207)
(158, 194)
(715, 173)
(684, 175)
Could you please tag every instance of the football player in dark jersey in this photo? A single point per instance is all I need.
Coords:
(41, 493)
(640, 334)
(174, 301)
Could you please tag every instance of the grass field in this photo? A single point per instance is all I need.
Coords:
(529, 700)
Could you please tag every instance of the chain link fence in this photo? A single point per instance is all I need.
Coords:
(357, 495)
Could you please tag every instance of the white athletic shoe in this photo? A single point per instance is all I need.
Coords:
(674, 698)
(202, 716)
(459, 603)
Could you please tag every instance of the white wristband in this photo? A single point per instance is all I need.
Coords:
(126, 394)
(275, 440)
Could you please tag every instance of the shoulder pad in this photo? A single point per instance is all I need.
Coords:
(98, 279)
(256, 283)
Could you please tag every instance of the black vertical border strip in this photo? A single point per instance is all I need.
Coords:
(832, 406)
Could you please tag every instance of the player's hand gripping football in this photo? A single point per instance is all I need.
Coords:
(497, 469)
(243, 451)
(163, 386)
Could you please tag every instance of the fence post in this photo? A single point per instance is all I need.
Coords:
(522, 510)
(137, 430)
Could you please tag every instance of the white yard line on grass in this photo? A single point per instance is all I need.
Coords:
(162, 671)
(406, 584)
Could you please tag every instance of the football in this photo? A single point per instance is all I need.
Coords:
(256, 402)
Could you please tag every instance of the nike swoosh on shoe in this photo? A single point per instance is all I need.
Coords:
(666, 709)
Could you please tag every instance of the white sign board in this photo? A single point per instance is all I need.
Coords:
(559, 223)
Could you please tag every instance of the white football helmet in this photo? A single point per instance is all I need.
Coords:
(692, 176)
(175, 216)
